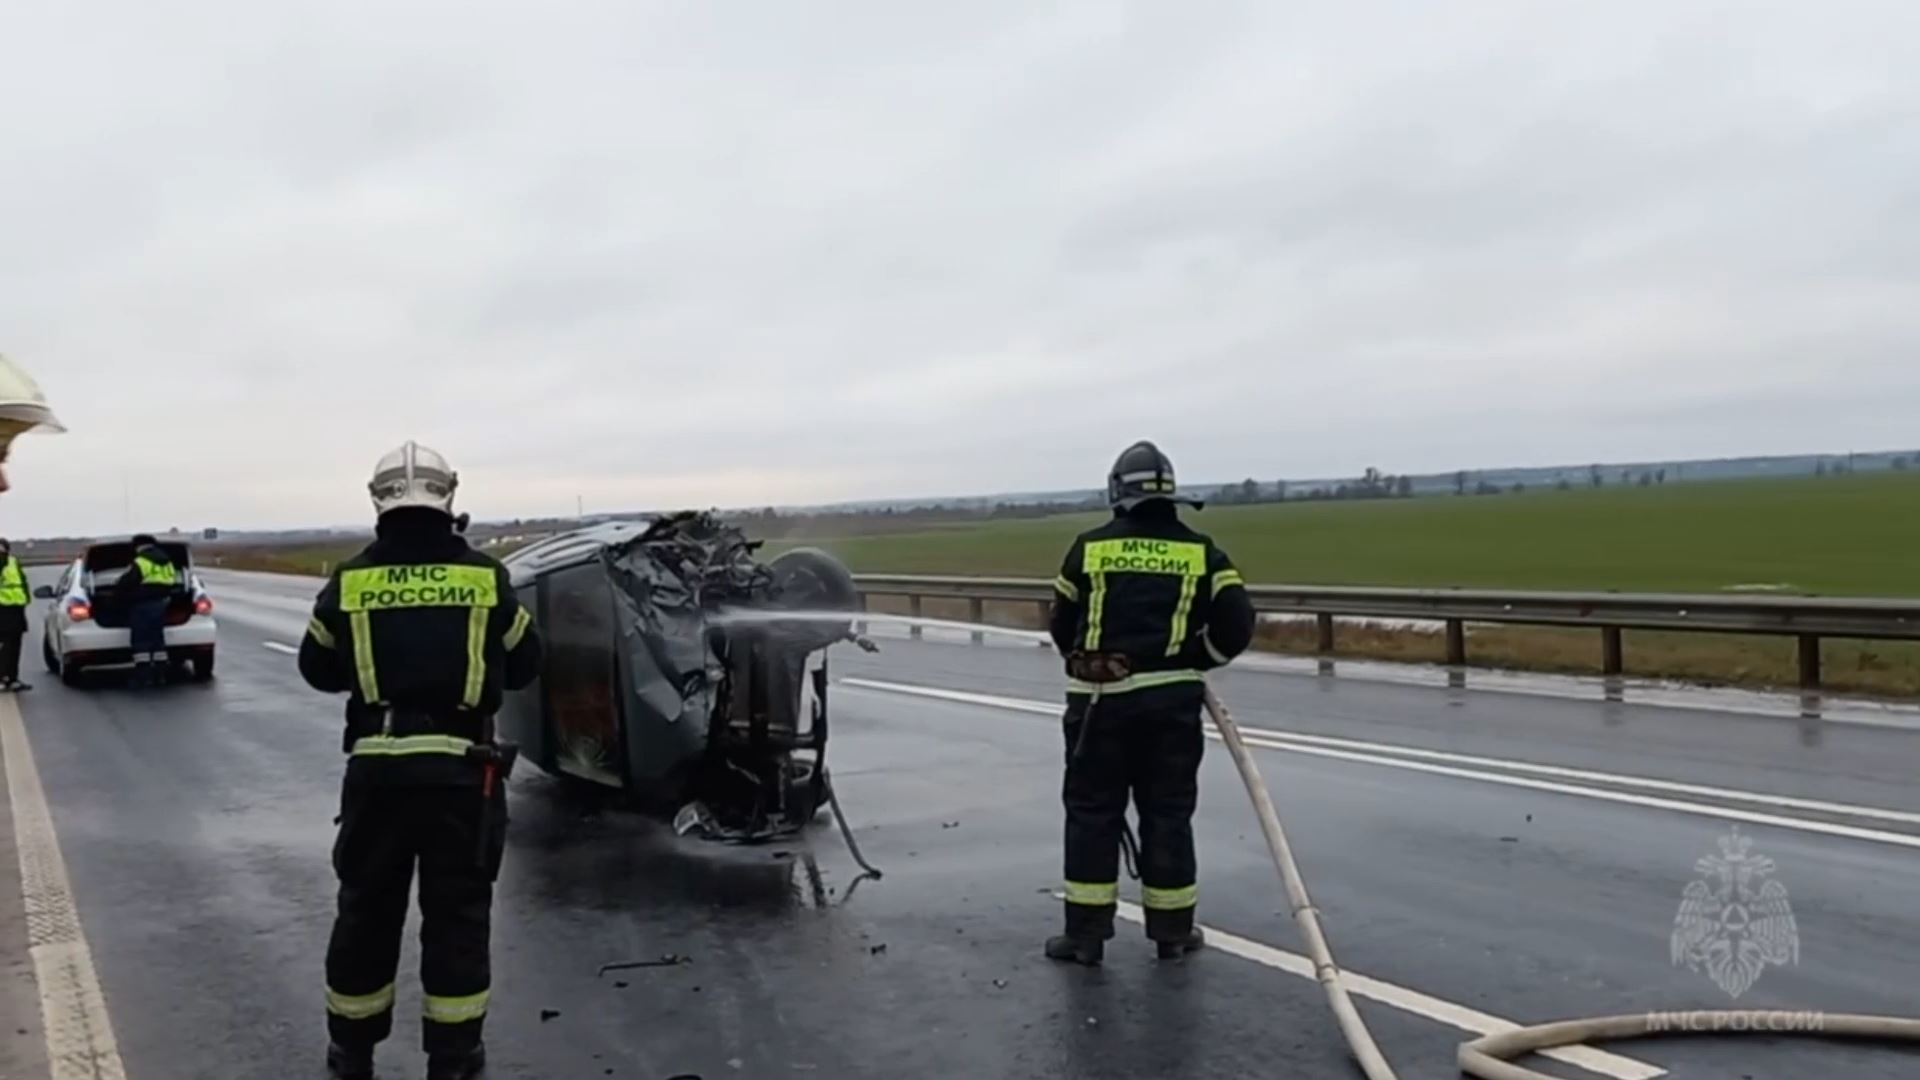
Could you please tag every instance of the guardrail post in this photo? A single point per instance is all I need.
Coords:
(977, 614)
(913, 608)
(1456, 642)
(1613, 660)
(1326, 633)
(866, 604)
(1809, 662)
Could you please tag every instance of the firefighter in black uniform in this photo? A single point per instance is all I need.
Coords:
(425, 635)
(1144, 607)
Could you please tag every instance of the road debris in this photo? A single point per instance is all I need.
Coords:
(669, 960)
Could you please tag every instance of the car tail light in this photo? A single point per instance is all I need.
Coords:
(79, 611)
(203, 606)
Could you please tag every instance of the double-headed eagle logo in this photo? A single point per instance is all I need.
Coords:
(1735, 922)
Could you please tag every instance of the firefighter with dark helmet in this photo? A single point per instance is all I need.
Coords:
(424, 634)
(1144, 606)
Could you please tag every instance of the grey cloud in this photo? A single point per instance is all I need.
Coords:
(664, 253)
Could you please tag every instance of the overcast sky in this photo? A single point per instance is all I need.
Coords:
(655, 254)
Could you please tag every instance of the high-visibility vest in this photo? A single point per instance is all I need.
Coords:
(156, 573)
(13, 584)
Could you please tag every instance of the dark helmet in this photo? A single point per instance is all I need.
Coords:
(1142, 473)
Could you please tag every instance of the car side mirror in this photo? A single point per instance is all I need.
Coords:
(44, 592)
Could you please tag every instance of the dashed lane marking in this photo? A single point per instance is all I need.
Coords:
(279, 648)
(80, 1043)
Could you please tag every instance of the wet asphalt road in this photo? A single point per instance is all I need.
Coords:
(196, 824)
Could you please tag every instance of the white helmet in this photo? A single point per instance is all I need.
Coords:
(22, 406)
(413, 476)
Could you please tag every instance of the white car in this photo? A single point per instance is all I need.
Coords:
(86, 623)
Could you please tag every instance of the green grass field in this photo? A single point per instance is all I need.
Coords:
(1855, 535)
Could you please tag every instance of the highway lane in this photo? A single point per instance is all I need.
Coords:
(196, 825)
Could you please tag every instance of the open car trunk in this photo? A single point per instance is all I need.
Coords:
(106, 564)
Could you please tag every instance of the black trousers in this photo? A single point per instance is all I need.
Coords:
(10, 645)
(1145, 746)
(387, 832)
(147, 629)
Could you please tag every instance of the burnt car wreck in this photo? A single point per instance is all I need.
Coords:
(683, 675)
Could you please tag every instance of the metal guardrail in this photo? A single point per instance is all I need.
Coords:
(1807, 619)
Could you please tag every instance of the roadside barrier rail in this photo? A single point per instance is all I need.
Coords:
(1809, 620)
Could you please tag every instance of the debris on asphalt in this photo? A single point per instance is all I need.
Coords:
(878, 949)
(549, 1014)
(669, 960)
(1509, 839)
(949, 824)
(1000, 984)
(620, 986)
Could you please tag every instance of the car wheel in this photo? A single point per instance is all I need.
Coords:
(203, 668)
(47, 654)
(70, 674)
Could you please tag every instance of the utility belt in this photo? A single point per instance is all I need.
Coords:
(1107, 673)
(387, 732)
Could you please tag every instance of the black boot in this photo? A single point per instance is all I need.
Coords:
(1179, 947)
(349, 1064)
(457, 1066)
(1076, 950)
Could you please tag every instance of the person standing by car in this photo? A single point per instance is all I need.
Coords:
(23, 408)
(149, 585)
(14, 598)
(425, 635)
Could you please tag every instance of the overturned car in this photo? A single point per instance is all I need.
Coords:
(682, 672)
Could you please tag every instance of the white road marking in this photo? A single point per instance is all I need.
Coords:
(1300, 745)
(1460, 1017)
(279, 648)
(1644, 782)
(80, 1043)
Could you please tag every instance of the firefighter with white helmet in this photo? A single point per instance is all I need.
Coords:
(23, 407)
(424, 634)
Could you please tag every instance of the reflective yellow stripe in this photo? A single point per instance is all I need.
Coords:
(1093, 894)
(1143, 681)
(1144, 555)
(384, 588)
(521, 620)
(1169, 899)
(360, 1006)
(476, 655)
(1177, 635)
(1066, 588)
(1226, 579)
(410, 745)
(318, 631)
(1096, 610)
(363, 657)
(156, 573)
(456, 1010)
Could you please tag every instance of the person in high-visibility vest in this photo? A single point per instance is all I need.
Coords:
(14, 598)
(150, 584)
(23, 408)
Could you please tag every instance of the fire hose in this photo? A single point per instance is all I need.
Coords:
(1489, 1058)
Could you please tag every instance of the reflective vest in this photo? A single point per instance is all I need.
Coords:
(156, 573)
(13, 584)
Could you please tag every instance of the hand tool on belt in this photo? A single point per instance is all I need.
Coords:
(496, 761)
